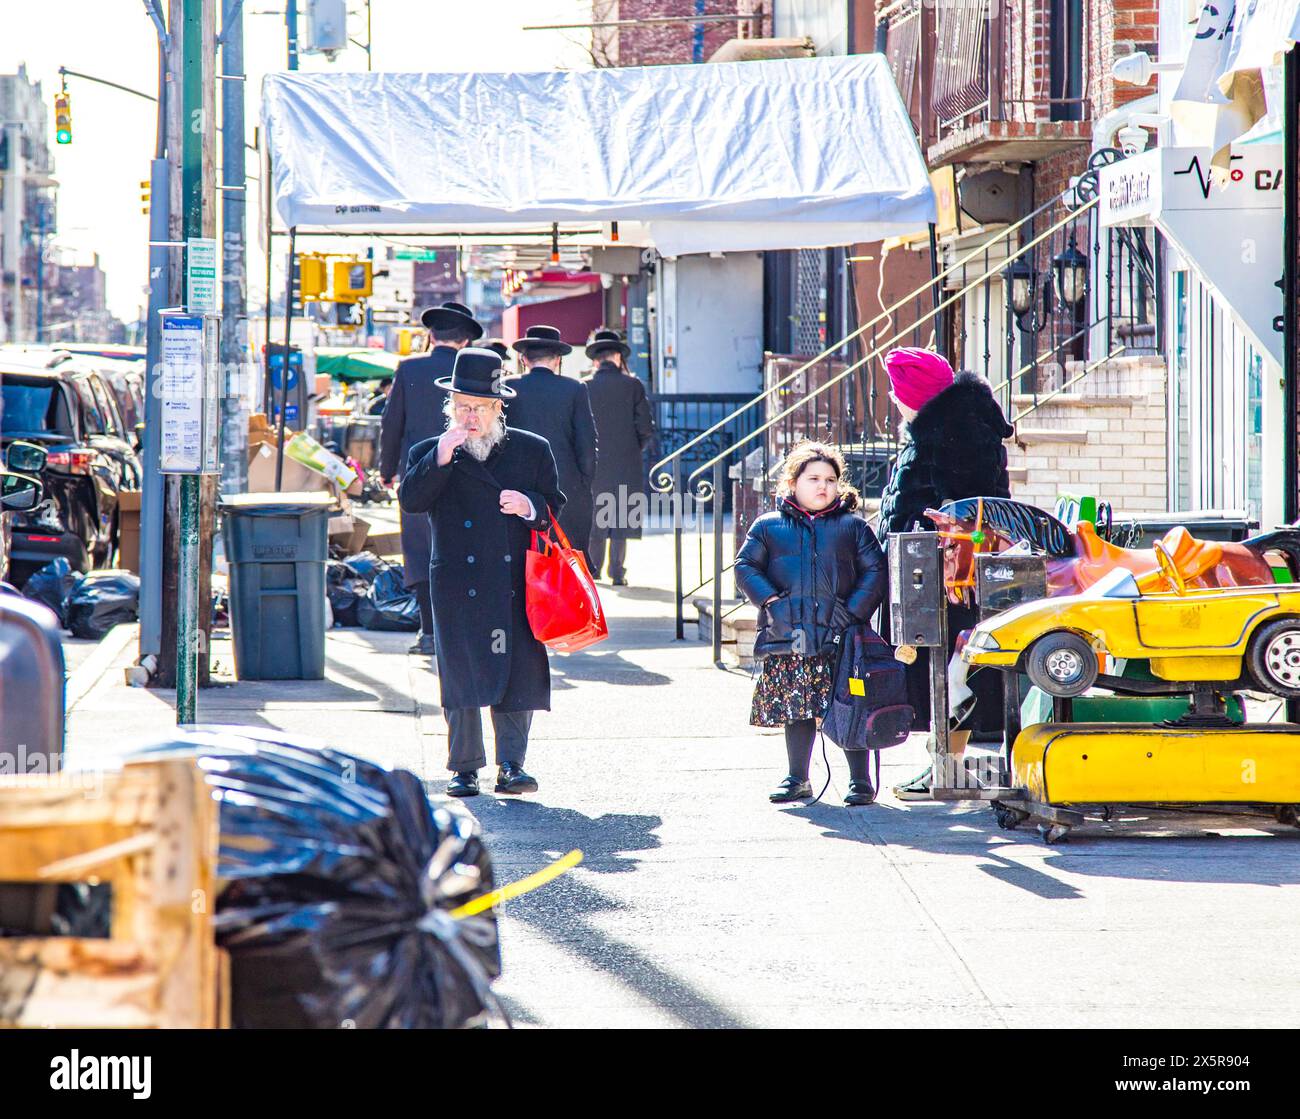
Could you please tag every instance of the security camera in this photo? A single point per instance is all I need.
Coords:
(1132, 140)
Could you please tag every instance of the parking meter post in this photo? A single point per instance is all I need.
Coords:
(942, 771)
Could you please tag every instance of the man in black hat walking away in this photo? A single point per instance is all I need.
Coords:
(483, 487)
(624, 427)
(414, 412)
(557, 409)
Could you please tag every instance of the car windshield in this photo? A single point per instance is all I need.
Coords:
(27, 407)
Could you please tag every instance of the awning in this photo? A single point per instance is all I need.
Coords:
(342, 363)
(1221, 94)
(787, 153)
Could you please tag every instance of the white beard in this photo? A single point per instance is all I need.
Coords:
(481, 446)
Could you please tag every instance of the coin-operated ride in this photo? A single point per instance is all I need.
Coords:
(1150, 635)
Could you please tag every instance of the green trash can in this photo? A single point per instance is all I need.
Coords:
(277, 545)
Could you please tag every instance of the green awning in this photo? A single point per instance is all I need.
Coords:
(346, 363)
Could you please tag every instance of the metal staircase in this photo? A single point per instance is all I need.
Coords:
(1036, 308)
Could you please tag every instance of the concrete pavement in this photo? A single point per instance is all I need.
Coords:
(700, 904)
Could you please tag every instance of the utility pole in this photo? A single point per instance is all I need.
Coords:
(13, 226)
(160, 258)
(291, 27)
(234, 287)
(191, 499)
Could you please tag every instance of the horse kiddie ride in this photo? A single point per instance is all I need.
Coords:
(1137, 659)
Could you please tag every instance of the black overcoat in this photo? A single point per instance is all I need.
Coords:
(624, 428)
(487, 654)
(953, 449)
(414, 412)
(558, 409)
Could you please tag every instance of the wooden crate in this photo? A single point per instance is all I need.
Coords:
(150, 832)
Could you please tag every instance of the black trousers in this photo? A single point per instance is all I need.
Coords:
(617, 553)
(465, 725)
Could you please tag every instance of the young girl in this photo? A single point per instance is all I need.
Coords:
(813, 568)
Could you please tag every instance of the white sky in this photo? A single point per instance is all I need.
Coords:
(113, 133)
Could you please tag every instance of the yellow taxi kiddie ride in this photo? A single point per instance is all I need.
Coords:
(1209, 642)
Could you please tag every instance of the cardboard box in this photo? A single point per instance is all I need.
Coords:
(128, 528)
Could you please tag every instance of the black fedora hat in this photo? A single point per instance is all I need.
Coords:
(497, 347)
(477, 373)
(450, 315)
(538, 339)
(605, 340)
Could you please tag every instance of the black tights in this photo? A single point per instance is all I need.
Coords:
(425, 599)
(799, 739)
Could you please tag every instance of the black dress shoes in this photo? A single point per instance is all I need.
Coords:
(424, 647)
(511, 778)
(792, 788)
(860, 793)
(463, 785)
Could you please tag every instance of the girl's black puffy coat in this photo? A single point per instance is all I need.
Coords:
(828, 570)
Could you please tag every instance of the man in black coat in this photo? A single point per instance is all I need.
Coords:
(484, 487)
(624, 428)
(557, 408)
(414, 412)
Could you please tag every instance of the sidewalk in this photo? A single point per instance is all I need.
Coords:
(700, 904)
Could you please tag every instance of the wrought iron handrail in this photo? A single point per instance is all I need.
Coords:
(661, 477)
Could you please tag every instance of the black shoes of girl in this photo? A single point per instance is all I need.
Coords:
(860, 793)
(792, 788)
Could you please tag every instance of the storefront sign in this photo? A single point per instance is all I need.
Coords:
(1229, 228)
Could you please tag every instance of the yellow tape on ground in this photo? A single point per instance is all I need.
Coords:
(523, 886)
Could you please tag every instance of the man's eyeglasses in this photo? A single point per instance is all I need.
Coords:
(473, 409)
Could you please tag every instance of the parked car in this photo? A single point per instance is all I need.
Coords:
(18, 493)
(62, 403)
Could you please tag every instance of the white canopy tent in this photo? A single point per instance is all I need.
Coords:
(790, 153)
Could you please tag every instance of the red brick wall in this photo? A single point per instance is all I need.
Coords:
(664, 43)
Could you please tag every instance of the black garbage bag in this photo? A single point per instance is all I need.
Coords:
(366, 564)
(51, 585)
(101, 600)
(388, 605)
(339, 878)
(345, 589)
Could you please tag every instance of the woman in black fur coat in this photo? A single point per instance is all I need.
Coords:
(952, 448)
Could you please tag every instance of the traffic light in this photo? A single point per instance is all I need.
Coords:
(144, 196)
(63, 118)
(353, 280)
(311, 276)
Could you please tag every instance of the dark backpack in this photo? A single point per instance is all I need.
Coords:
(868, 708)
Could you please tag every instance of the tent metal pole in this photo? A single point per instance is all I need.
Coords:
(284, 364)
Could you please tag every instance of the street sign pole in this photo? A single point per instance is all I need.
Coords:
(234, 293)
(197, 56)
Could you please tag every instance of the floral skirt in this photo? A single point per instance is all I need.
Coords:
(792, 688)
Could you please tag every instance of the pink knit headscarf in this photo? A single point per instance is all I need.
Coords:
(917, 376)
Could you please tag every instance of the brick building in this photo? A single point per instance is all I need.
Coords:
(1009, 100)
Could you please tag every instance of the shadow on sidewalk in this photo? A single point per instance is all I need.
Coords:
(524, 835)
(1204, 855)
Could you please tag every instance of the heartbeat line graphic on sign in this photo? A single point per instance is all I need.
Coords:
(1205, 180)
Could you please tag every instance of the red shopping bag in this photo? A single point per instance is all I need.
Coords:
(563, 606)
